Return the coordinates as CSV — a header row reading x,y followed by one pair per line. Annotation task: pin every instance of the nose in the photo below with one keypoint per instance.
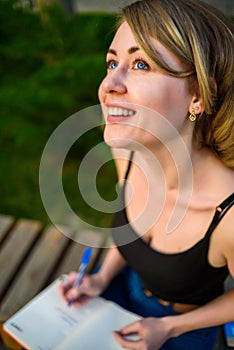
x,y
114,82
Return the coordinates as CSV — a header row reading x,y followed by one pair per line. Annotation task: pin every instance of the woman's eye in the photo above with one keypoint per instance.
x,y
139,64
112,64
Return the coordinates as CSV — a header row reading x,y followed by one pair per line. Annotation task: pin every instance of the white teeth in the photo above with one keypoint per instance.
x,y
120,112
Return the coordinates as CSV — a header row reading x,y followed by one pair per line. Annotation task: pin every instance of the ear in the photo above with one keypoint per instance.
x,y
196,105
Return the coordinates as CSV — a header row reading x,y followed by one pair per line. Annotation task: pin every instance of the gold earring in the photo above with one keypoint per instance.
x,y
192,116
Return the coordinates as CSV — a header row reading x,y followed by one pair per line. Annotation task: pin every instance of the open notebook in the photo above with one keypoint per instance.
x,y
47,323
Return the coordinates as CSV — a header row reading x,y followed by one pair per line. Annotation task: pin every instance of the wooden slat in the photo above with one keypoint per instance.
x,y
74,253
15,248
108,243
34,274
5,223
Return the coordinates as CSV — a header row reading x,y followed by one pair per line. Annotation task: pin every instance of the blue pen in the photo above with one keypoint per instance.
x,y
82,268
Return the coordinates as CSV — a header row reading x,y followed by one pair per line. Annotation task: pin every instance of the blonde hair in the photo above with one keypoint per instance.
x,y
202,38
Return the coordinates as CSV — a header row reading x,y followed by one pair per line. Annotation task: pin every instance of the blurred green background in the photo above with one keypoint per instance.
x,y
51,64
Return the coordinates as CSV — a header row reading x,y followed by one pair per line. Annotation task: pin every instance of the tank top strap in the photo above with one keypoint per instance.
x,y
221,210
129,165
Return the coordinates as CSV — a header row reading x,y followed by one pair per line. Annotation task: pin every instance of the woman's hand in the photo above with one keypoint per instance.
x,y
91,285
152,332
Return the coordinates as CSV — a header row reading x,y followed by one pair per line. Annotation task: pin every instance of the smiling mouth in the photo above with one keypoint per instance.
x,y
120,112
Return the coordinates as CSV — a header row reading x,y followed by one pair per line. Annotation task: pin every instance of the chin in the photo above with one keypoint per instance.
x,y
116,139
119,143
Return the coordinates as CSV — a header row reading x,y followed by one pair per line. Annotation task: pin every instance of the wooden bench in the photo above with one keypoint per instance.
x,y
32,256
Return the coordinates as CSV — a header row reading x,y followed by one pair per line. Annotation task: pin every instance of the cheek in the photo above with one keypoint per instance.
x,y
169,98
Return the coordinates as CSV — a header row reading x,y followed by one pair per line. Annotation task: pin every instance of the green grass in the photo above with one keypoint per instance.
x,y
51,66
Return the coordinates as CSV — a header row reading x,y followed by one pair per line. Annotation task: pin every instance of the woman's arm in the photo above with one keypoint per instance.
x,y
154,332
114,262
95,284
216,312
112,265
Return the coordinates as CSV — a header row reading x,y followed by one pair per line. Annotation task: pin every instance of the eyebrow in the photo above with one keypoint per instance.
x,y
131,50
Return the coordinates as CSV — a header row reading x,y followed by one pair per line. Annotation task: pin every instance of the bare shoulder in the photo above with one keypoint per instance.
x,y
220,178
225,238
222,240
121,158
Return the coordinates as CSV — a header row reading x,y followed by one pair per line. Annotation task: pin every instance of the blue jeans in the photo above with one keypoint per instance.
x,y
127,290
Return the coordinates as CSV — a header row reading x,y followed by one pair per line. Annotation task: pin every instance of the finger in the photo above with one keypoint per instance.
x,y
70,278
82,300
134,327
68,281
66,284
125,343
74,293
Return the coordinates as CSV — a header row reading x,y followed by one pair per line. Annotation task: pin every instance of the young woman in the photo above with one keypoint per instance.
x,y
168,105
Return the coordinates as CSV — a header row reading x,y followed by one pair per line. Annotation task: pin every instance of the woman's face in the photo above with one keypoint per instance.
x,y
136,97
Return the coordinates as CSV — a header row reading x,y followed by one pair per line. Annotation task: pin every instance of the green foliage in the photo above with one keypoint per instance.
x,y
51,66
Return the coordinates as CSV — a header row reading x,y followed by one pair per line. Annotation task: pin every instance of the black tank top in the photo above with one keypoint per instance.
x,y
185,277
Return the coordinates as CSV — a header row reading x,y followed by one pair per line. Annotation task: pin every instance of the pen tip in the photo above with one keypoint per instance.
x,y
69,303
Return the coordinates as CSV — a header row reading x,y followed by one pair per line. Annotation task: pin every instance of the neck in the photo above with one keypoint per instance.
x,y
173,162
169,174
